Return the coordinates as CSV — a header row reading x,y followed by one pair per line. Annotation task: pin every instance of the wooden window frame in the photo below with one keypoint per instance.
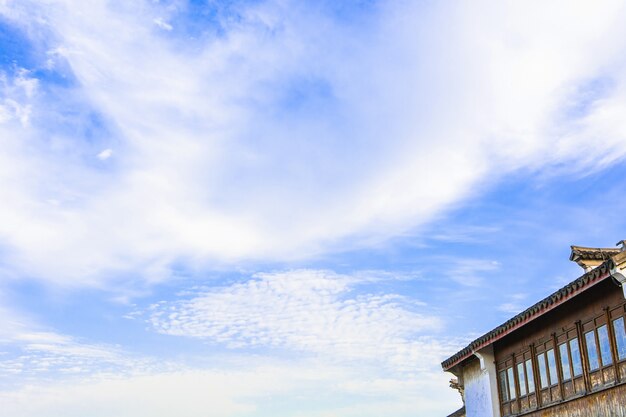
x,y
581,384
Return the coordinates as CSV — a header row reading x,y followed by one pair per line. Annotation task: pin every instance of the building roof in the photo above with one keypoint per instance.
x,y
547,304
598,254
589,258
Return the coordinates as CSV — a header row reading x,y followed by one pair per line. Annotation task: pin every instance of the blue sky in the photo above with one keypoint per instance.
x,y
282,208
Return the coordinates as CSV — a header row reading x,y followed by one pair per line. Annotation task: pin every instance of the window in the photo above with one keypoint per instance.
x,y
521,379
577,367
620,338
543,371
511,381
561,360
565,370
605,346
503,388
552,367
592,350
529,376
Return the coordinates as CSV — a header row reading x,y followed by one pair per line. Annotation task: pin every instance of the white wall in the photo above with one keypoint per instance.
x,y
479,380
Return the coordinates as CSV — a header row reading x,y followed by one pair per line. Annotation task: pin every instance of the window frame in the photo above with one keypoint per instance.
x,y
623,338
527,374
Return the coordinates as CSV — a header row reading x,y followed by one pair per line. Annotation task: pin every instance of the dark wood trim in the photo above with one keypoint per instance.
x,y
523,363
536,376
518,400
611,333
601,363
499,383
582,345
571,361
559,369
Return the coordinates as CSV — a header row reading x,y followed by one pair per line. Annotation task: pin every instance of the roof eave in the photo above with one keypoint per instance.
x,y
549,303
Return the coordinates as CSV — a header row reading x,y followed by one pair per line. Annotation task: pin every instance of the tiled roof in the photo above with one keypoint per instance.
x,y
557,298
599,254
458,413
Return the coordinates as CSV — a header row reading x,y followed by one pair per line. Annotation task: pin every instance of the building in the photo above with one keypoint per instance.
x,y
563,356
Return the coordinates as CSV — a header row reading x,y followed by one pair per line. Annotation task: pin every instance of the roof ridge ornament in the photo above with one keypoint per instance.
x,y
618,269
589,258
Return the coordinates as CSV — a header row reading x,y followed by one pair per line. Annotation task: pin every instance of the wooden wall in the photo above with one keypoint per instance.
x,y
598,393
608,403
581,307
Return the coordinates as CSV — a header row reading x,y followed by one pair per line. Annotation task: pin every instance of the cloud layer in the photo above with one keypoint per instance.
x,y
148,140
32,354
302,389
310,311
277,130
343,351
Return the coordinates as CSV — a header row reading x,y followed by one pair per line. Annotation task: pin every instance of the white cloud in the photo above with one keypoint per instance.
x,y
312,312
470,272
32,353
45,372
42,355
280,389
516,303
183,394
163,24
278,140
105,154
463,234
14,96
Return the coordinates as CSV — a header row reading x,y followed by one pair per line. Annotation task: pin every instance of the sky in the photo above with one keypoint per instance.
x,y
278,208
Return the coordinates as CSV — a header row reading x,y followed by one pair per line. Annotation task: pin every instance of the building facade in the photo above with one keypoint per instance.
x,y
563,356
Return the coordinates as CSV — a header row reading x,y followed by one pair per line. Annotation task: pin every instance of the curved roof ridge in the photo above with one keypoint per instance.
x,y
583,252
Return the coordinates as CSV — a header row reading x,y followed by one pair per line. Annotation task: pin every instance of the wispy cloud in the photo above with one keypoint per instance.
x,y
32,353
37,357
105,154
309,311
277,389
268,138
162,24
470,272
363,354
463,234
141,139
515,304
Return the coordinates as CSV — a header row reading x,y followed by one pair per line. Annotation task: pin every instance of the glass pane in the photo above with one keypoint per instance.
x,y
605,345
552,367
511,378
503,389
529,375
543,371
620,337
521,379
564,362
592,350
577,366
